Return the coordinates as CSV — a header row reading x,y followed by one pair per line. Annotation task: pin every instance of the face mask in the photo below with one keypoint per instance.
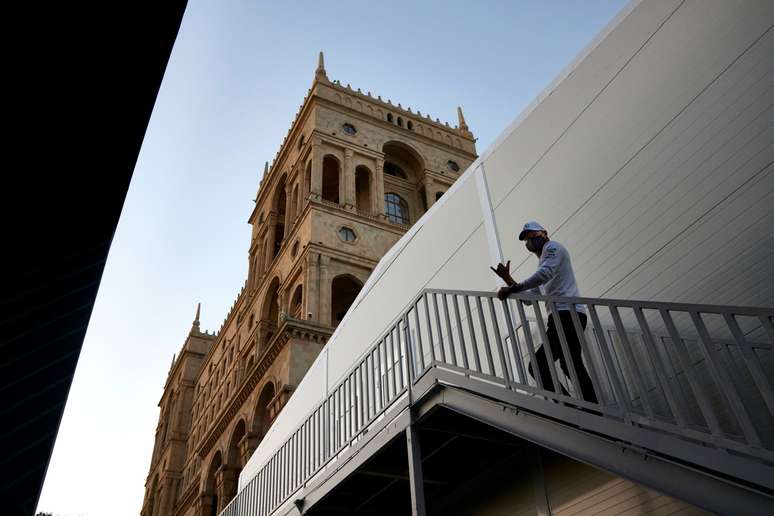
x,y
535,244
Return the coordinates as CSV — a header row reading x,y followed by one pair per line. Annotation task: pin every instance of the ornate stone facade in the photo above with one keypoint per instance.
x,y
353,173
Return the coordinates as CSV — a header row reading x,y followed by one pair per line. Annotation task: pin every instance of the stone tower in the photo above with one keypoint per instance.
x,y
352,175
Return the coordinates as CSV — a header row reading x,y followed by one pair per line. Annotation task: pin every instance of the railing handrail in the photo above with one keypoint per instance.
x,y
625,303
395,360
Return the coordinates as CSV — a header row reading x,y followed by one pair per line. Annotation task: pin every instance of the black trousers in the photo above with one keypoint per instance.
x,y
586,386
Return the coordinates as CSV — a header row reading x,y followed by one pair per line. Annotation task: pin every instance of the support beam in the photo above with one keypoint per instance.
x,y
542,502
395,476
416,478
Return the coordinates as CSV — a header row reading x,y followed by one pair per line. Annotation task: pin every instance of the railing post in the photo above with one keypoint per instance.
x,y
429,327
530,345
452,353
460,332
619,391
485,335
408,351
629,357
442,352
514,343
471,330
547,349
500,345
565,349
580,332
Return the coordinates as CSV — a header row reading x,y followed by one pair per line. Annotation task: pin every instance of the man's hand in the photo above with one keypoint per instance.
x,y
504,272
504,292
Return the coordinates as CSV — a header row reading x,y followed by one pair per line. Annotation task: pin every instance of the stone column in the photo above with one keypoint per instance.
x,y
325,291
156,505
429,196
247,445
347,189
288,203
317,165
203,505
301,194
271,234
378,189
166,502
283,311
304,191
260,257
224,485
311,288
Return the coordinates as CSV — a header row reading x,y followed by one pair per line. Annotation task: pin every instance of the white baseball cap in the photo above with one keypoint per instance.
x,y
530,226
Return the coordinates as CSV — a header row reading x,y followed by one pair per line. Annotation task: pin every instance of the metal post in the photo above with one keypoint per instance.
x,y
416,479
542,502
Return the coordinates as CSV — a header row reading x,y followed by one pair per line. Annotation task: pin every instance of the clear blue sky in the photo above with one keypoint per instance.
x,y
237,75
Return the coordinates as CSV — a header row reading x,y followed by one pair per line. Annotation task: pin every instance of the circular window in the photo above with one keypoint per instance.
x,y
349,129
452,165
347,234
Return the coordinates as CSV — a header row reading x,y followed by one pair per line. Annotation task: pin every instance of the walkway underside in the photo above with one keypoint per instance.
x,y
474,435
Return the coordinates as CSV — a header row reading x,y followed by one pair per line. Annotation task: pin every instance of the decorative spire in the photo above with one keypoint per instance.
x,y
198,311
320,74
260,181
461,118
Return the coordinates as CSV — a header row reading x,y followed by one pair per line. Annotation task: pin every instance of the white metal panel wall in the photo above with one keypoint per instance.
x,y
661,187
651,160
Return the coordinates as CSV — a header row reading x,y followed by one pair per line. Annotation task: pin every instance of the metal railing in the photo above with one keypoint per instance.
x,y
696,372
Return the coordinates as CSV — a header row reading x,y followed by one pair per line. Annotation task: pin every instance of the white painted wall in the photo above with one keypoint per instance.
x,y
650,158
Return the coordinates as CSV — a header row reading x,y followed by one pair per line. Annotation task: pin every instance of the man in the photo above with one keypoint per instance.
x,y
554,277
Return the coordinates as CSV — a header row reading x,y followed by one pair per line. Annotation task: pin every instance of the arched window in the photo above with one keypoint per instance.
x,y
234,461
363,189
344,290
410,125
389,117
330,179
400,160
210,486
400,122
280,204
301,141
392,169
397,208
262,419
296,302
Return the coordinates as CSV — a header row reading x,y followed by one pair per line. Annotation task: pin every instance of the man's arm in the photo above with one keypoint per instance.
x,y
547,269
